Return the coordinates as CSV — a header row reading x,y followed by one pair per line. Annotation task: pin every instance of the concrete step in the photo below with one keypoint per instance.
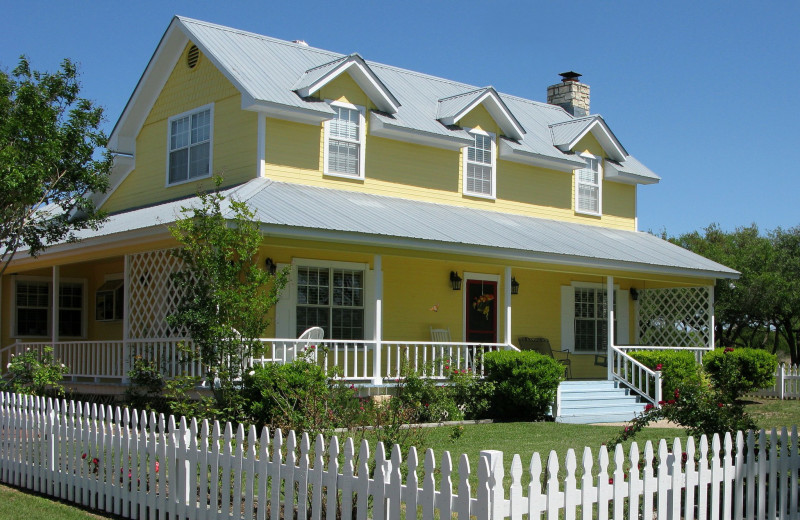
x,y
586,402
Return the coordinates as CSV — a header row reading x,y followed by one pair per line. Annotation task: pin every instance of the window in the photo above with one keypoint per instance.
x,y
479,166
33,310
331,298
189,146
588,187
591,320
344,141
109,301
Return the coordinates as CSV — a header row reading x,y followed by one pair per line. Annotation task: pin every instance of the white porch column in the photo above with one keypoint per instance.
x,y
711,324
54,319
126,310
261,145
507,298
376,356
610,307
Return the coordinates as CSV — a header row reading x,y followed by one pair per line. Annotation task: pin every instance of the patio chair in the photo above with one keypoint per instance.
x,y
307,339
542,346
440,334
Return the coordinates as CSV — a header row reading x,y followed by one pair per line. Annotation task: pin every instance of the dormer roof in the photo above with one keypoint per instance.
x,y
317,77
566,135
451,109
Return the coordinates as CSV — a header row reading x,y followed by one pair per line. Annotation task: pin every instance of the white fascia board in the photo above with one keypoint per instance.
x,y
341,237
289,113
380,128
365,79
604,136
612,174
507,153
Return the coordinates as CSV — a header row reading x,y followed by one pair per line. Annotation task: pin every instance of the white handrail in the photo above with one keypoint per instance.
x,y
635,375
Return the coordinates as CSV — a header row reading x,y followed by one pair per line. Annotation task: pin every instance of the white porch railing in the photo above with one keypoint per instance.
x,y
352,360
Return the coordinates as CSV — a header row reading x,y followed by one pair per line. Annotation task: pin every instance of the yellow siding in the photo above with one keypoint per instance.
x,y
234,137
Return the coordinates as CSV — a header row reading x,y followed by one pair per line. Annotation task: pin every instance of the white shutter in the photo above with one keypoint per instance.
x,y
285,314
567,318
623,311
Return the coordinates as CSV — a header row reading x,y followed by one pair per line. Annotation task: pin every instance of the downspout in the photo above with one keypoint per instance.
x,y
55,305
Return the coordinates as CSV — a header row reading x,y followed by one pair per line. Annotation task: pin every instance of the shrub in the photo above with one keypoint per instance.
x,y
34,373
738,371
146,386
525,383
472,395
678,367
430,400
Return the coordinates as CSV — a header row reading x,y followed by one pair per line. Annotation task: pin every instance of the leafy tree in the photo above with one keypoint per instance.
x,y
786,279
225,295
50,159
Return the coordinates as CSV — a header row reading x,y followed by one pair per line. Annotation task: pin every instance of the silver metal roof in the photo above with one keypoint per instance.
x,y
295,210
269,70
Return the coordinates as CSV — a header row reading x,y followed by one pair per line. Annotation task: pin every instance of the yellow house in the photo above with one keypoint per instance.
x,y
410,208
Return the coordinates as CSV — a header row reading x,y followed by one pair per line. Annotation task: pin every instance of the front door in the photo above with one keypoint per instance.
x,y
481,311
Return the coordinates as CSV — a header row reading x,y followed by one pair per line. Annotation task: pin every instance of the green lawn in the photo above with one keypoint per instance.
x,y
16,504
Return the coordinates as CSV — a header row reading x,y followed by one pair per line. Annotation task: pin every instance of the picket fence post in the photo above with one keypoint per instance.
x,y
781,381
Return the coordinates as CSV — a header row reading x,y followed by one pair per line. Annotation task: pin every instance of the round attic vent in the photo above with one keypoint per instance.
x,y
192,57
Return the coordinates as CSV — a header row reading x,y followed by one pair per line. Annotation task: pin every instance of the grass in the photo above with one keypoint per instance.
x,y
16,504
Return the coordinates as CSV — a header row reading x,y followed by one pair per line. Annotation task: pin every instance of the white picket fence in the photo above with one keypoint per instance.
x,y
787,383
151,467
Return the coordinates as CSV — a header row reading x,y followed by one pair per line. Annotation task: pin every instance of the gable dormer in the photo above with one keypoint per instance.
x,y
567,135
316,78
451,110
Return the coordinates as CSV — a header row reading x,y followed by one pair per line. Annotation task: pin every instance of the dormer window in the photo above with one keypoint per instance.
x,y
588,186
344,141
480,165
190,146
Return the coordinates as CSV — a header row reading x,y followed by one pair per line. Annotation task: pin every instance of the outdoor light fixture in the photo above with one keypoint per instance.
x,y
455,281
634,294
271,267
514,286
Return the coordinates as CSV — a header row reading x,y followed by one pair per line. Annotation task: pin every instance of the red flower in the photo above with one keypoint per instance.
x,y
447,367
95,461
684,457
662,403
648,407
157,466
720,405
658,367
676,394
671,401
83,456
611,481
728,349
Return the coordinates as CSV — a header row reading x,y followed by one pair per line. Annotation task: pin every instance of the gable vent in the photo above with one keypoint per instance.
x,y
192,57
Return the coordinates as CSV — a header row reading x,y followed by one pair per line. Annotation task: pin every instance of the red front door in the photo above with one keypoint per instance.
x,y
481,311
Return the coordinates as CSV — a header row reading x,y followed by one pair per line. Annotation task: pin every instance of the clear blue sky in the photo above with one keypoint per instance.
x,y
705,93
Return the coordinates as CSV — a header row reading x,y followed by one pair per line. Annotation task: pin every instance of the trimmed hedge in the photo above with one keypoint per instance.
x,y
738,371
525,383
678,367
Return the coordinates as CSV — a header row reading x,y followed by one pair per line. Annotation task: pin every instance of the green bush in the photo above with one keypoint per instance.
x,y
525,383
472,394
735,372
678,367
35,373
432,401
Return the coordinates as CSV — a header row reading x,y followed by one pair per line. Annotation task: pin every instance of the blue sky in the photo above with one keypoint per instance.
x,y
707,94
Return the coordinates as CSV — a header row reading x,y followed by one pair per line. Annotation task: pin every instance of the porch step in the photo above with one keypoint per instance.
x,y
587,402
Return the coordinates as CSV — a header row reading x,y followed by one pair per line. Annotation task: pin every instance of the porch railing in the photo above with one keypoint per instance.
x,y
639,378
349,360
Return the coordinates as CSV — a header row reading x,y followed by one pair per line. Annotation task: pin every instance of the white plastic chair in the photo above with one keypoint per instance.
x,y
309,338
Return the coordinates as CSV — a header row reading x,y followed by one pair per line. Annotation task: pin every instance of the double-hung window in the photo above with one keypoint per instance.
x,y
190,146
588,184
331,298
591,319
480,166
33,308
344,141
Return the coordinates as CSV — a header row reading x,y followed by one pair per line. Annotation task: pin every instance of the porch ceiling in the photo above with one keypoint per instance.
x,y
294,210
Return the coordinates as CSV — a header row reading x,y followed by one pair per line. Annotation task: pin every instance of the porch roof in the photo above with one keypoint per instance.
x,y
300,211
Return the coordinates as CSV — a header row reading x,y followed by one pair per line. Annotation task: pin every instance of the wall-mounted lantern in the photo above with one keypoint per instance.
x,y
271,266
514,286
455,281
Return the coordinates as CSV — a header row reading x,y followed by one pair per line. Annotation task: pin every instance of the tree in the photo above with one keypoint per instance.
x,y
225,296
51,159
786,268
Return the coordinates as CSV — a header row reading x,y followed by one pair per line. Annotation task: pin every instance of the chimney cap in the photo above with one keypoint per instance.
x,y
570,76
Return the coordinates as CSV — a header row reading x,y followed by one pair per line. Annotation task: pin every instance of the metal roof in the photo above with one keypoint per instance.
x,y
269,70
295,210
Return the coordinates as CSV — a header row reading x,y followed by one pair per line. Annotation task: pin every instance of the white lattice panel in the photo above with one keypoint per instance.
x,y
152,295
675,317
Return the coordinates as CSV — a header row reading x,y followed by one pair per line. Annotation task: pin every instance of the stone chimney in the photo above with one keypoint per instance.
x,y
570,94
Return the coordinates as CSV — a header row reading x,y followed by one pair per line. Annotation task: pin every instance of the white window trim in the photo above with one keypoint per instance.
x,y
465,162
362,133
27,278
286,308
599,211
210,108
111,278
568,315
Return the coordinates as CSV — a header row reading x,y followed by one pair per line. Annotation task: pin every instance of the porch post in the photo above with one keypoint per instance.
x,y
54,317
376,355
610,328
126,311
507,298
261,145
711,324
